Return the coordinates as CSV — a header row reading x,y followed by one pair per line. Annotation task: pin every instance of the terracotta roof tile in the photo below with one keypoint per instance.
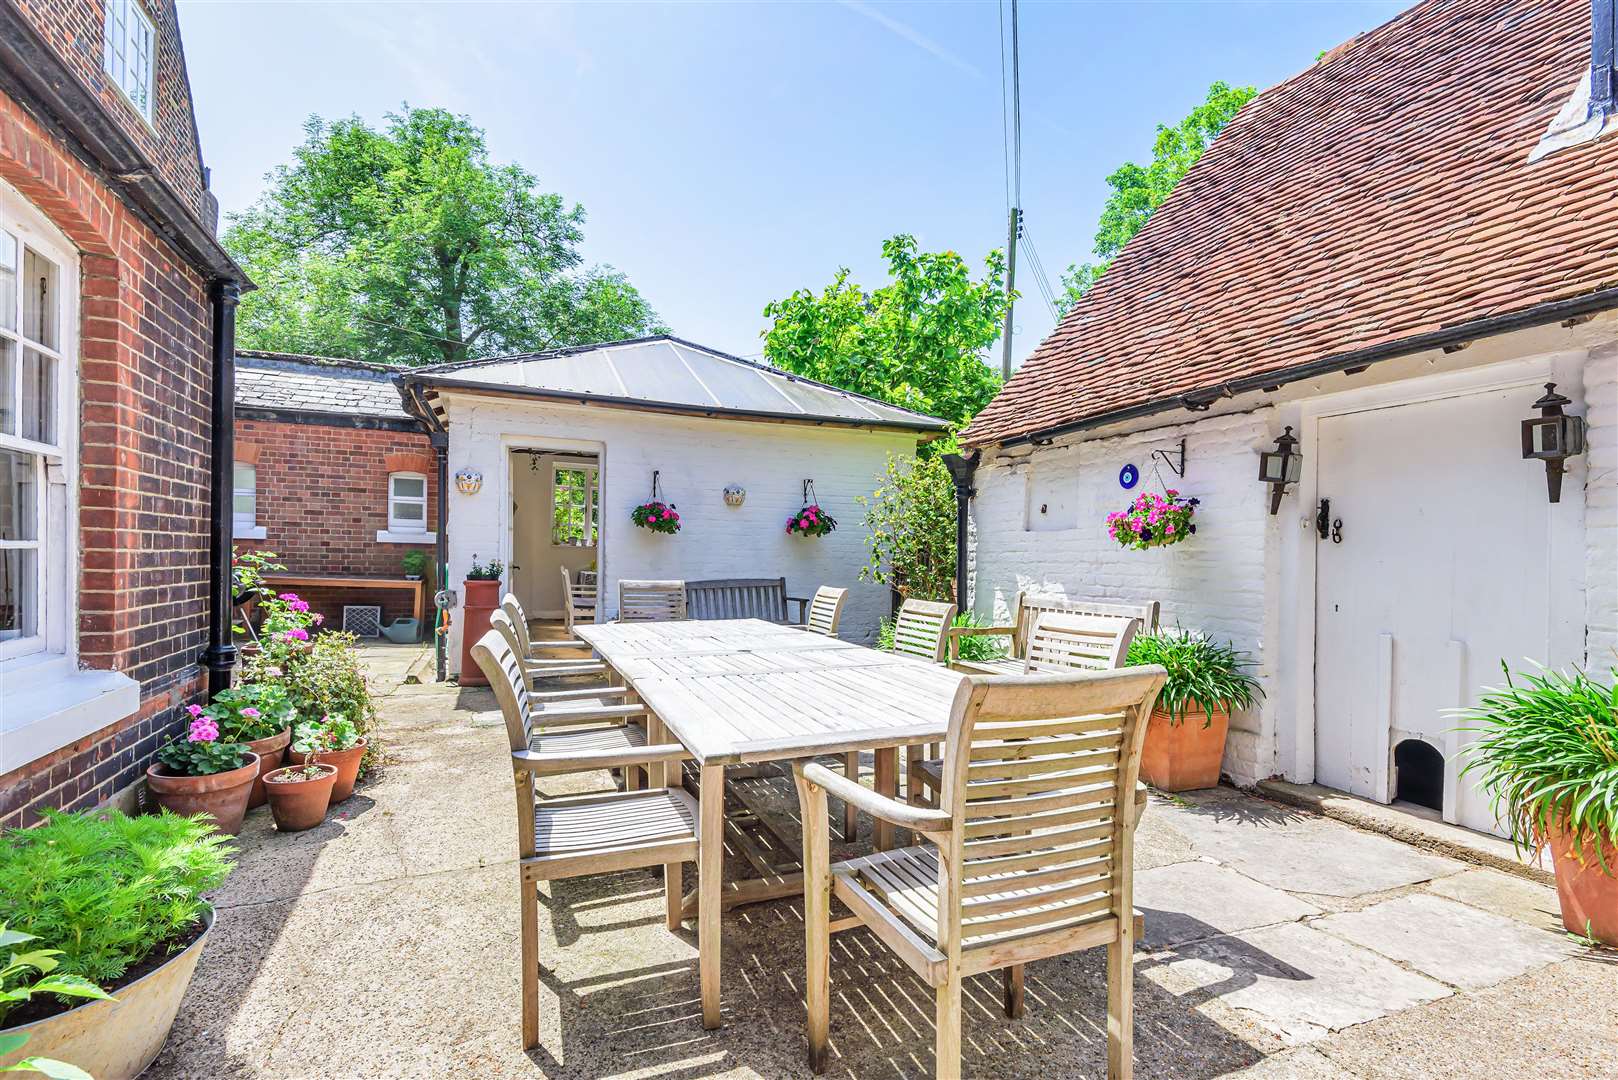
x,y
1382,194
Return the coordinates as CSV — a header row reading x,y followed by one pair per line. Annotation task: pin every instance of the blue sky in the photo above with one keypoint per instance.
x,y
727,154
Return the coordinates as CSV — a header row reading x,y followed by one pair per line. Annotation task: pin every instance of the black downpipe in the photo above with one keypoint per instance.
x,y
220,656
961,467
440,444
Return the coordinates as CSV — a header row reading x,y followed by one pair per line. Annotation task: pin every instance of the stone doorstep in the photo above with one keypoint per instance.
x,y
1439,837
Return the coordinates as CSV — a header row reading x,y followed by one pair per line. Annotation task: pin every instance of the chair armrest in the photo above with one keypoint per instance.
x,y
542,764
919,819
803,607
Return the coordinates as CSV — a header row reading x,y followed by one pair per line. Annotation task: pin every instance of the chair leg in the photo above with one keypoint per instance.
x,y
947,1039
634,778
530,962
673,893
710,863
851,769
1121,1008
1013,990
817,934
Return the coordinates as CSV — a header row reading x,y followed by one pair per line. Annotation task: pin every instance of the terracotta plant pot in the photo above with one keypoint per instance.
x,y
1184,756
116,1038
222,796
482,597
299,804
270,751
347,763
1589,894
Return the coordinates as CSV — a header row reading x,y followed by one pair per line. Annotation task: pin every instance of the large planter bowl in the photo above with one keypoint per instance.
x,y
222,796
116,1040
299,804
1589,894
1184,756
270,751
347,763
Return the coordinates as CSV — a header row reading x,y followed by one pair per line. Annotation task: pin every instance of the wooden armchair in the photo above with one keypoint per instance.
x,y
825,611
1029,855
651,601
583,834
537,666
532,669
578,600
1025,613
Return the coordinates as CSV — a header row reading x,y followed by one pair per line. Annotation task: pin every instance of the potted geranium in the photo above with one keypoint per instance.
x,y
259,714
200,773
1154,521
1547,754
335,741
657,516
109,902
1185,735
811,521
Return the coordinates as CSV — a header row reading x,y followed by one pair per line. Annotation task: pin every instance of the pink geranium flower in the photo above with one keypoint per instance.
x,y
251,713
204,730
194,709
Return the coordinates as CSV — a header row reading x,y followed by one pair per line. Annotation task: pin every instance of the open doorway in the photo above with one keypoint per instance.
x,y
556,523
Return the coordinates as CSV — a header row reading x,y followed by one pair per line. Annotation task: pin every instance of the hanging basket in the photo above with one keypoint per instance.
x,y
1154,521
655,514
811,520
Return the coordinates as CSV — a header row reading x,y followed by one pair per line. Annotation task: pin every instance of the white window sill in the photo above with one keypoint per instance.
x,y
384,536
247,532
48,705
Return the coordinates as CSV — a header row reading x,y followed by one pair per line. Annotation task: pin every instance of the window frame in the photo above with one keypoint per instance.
x,y
397,525
55,464
244,527
129,46
589,518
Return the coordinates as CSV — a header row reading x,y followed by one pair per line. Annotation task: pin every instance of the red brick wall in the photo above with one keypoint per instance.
x,y
323,497
145,394
76,30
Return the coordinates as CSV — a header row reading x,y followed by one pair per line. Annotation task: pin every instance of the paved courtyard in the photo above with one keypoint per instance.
x,y
1278,944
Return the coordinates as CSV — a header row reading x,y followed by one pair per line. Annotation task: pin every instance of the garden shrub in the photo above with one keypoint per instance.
x,y
325,680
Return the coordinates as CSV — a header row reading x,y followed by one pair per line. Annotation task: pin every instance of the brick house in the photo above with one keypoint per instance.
x,y
332,475
116,325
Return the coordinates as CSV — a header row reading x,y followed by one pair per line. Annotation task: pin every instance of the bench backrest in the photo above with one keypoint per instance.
x,y
1064,642
919,629
826,610
1031,605
651,601
738,598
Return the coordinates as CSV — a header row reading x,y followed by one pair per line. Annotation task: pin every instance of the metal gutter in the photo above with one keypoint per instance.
x,y
1200,399
319,418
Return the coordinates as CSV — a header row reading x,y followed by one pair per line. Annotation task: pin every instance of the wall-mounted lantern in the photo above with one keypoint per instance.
x,y
1552,437
1280,467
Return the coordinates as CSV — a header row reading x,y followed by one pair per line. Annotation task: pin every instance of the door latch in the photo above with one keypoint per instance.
x,y
1326,526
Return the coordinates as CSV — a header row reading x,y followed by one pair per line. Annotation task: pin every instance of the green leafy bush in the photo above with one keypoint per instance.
x,y
1548,752
1202,672
251,711
105,890
325,735
910,522
326,680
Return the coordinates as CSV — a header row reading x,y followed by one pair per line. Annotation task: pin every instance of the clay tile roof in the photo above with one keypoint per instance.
x,y
1383,194
316,384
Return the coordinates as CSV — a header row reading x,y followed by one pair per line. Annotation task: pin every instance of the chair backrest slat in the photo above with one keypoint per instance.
x,y
919,628
826,610
513,609
1040,770
651,601
1030,606
496,653
1062,641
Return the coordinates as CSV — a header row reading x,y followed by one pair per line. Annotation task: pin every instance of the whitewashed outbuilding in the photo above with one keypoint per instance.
x,y
549,453
1396,286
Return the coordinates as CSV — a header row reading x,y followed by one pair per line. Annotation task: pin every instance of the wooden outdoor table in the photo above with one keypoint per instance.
x,y
746,690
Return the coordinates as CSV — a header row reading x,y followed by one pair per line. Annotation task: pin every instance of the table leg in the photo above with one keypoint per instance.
x,y
710,860
886,783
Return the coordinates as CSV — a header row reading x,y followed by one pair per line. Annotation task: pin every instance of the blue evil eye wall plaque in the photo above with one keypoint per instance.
x,y
1128,477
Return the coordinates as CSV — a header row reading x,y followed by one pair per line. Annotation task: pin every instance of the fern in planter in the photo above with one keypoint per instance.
x,y
1202,673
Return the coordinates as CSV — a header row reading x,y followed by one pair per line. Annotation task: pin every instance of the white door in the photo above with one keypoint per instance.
x,y
1441,571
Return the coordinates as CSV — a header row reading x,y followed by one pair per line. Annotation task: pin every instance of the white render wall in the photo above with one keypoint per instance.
x,y
1601,509
698,457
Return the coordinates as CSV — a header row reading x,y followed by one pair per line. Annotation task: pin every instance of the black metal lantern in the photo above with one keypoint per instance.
x,y
1552,437
1280,467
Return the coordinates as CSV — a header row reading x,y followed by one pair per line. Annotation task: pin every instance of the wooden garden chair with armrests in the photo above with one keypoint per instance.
x,y
577,835
578,601
1027,857
1025,613
538,666
1059,642
651,601
825,611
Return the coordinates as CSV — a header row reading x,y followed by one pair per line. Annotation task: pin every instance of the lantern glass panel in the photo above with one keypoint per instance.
x,y
1294,468
1271,468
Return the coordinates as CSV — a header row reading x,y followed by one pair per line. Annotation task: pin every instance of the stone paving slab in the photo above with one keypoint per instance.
x,y
1290,982
1452,942
1188,901
1504,894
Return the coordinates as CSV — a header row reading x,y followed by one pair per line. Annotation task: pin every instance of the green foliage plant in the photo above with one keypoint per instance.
x,y
251,711
1546,751
1202,673
199,750
493,570
325,680
50,1068
910,522
414,563
329,733
25,974
105,890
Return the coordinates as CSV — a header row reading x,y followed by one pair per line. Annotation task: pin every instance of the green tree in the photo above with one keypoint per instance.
x,y
918,341
910,519
1137,191
408,245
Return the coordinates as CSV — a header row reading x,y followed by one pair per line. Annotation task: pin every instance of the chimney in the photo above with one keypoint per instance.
x,y
1603,58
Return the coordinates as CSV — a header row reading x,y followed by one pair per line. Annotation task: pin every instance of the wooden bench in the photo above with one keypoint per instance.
x,y
742,598
417,588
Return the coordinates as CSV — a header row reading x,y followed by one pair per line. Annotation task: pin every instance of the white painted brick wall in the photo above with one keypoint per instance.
x,y
1601,509
698,457
1215,582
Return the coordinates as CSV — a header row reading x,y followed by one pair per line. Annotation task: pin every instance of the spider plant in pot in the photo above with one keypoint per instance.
x,y
1185,736
1547,753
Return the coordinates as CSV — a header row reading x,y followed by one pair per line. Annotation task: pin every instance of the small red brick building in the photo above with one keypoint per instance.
x,y
117,314
334,477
